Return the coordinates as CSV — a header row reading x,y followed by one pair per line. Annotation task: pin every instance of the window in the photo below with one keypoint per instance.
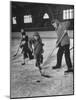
x,y
46,16
27,19
65,14
68,14
14,20
71,13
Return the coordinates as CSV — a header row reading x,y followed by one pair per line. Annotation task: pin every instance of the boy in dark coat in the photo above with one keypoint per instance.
x,y
38,49
61,28
24,45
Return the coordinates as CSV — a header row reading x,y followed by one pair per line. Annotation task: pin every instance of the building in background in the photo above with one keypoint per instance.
x,y
37,16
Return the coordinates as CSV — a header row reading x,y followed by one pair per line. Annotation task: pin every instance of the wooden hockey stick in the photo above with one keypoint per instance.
x,y
17,50
45,63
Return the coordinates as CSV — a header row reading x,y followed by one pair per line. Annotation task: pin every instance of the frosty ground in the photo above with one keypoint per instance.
x,y
24,78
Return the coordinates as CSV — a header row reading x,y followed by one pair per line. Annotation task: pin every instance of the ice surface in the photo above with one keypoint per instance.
x,y
23,78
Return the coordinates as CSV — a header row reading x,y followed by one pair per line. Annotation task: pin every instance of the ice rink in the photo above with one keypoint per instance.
x,y
24,78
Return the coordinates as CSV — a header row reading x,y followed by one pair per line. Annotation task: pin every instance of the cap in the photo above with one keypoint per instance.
x,y
55,21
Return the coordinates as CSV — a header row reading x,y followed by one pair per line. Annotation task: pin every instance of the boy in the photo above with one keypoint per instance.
x,y
24,45
38,49
26,51
61,28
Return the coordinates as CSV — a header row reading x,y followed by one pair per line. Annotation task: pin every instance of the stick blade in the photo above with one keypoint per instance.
x,y
14,55
47,76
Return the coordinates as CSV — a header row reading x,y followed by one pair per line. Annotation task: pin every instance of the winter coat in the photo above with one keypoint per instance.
x,y
60,31
24,44
38,48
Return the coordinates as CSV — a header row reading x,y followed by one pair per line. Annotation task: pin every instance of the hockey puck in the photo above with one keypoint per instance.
x,y
38,81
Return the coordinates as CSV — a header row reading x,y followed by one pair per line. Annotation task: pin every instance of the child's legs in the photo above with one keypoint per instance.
x,y
38,60
24,56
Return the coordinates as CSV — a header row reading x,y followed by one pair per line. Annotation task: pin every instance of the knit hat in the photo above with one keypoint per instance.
x,y
36,34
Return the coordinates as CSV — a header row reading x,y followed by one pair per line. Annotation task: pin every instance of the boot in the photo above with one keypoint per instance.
x,y
23,63
69,70
56,67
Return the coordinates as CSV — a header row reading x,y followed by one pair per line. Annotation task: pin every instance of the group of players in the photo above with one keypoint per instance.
x,y
32,48
37,51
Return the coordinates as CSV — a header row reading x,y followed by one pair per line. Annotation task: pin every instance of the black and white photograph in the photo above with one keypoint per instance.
x,y
41,49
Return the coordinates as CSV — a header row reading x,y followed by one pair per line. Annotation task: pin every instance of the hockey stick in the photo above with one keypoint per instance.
x,y
45,63
17,50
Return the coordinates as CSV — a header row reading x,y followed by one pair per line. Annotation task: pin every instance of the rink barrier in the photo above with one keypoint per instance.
x,y
43,34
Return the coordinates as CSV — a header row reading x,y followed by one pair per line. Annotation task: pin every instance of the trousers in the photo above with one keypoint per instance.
x,y
64,50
